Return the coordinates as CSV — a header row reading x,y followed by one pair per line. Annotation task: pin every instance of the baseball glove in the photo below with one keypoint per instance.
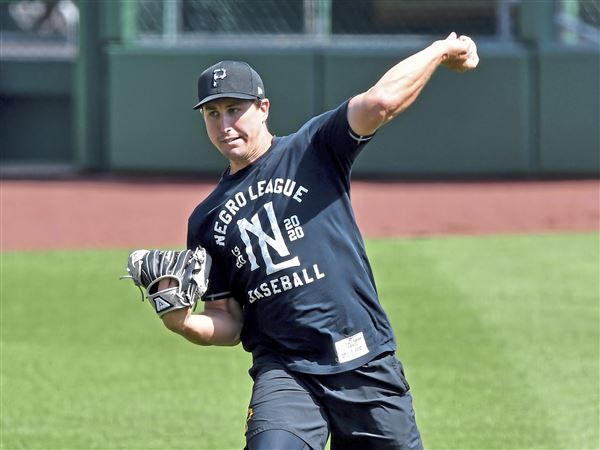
x,y
188,268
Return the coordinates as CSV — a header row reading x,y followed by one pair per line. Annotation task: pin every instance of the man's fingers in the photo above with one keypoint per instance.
x,y
166,284
473,56
472,59
461,53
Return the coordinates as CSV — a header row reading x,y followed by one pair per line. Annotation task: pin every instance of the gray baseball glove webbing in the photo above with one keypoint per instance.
x,y
188,268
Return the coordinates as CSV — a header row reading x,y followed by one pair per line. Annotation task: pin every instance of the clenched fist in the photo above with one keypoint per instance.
x,y
459,53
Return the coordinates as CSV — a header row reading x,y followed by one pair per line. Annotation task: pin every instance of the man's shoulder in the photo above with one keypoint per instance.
x,y
314,126
332,114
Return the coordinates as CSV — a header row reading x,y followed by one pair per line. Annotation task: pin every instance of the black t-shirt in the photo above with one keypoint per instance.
x,y
285,244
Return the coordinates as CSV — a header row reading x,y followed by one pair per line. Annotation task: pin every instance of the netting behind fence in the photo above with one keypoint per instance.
x,y
48,28
185,19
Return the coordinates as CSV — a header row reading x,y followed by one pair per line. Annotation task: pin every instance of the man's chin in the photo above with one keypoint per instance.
x,y
234,153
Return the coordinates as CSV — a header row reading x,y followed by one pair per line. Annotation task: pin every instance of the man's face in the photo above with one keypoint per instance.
x,y
237,128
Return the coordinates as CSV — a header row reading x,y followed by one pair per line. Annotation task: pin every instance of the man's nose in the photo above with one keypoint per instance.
x,y
226,122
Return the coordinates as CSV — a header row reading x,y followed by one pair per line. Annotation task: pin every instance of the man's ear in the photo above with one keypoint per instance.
x,y
264,106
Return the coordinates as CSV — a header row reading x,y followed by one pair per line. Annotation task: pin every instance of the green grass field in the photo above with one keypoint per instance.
x,y
499,337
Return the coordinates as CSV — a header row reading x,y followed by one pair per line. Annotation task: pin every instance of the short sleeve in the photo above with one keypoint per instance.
x,y
339,139
218,283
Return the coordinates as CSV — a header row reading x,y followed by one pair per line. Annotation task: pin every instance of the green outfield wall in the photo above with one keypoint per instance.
x,y
531,109
151,123
569,109
36,112
475,123
463,124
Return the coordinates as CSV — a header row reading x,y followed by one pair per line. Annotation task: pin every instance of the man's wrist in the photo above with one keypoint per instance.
x,y
176,320
439,49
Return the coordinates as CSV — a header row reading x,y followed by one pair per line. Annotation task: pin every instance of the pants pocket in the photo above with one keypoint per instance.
x,y
399,371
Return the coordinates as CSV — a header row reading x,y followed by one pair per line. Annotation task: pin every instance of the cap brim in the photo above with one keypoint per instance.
x,y
225,95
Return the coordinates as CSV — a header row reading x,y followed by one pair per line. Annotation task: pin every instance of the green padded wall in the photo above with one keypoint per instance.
x,y
469,124
570,110
151,94
36,112
475,123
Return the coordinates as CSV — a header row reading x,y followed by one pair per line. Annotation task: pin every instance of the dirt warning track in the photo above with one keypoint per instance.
x,y
131,213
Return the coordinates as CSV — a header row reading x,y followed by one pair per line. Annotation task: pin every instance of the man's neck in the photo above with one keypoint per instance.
x,y
263,147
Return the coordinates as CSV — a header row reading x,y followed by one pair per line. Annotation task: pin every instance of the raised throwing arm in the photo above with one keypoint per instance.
x,y
398,88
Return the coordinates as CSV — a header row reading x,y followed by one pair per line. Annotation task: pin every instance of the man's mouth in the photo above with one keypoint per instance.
x,y
229,140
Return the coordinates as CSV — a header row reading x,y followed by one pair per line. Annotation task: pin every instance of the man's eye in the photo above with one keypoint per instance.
x,y
213,114
234,110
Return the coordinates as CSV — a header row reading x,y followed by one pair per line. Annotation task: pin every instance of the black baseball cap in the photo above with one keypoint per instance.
x,y
235,79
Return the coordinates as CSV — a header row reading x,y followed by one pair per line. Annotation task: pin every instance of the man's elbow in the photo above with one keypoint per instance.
x,y
375,108
230,337
378,104
389,102
232,343
367,112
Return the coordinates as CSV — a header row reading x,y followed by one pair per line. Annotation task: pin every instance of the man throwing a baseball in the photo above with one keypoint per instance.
x,y
290,277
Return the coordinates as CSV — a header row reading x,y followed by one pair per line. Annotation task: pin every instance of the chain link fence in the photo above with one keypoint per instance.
x,y
47,29
180,21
